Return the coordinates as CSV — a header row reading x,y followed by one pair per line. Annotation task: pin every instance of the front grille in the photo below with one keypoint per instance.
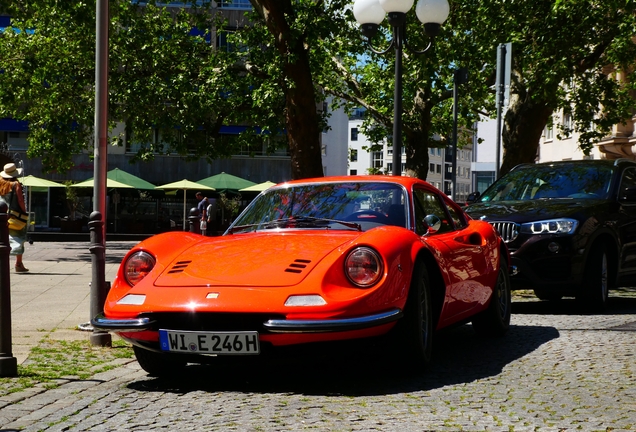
x,y
211,321
507,230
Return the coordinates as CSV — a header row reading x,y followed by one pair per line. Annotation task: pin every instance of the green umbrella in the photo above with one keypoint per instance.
x,y
226,182
38,183
258,187
32,181
117,178
110,184
185,184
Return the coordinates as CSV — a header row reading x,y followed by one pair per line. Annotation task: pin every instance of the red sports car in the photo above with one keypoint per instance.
x,y
314,260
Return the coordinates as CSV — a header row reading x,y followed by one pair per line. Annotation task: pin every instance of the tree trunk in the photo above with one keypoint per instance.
x,y
523,125
301,116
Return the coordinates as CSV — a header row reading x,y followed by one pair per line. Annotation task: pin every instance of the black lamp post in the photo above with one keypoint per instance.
x,y
369,14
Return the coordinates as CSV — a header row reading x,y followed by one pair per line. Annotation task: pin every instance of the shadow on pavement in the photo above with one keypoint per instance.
x,y
358,369
620,302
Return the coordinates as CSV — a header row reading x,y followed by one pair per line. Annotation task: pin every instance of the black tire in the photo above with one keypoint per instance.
x,y
415,330
158,364
596,282
495,320
547,296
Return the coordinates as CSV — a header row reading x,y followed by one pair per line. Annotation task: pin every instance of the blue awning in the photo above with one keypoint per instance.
x,y
11,125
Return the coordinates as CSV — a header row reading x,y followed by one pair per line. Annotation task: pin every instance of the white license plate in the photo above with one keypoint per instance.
x,y
220,343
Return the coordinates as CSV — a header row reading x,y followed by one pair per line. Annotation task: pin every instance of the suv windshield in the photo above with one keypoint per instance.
x,y
351,205
551,181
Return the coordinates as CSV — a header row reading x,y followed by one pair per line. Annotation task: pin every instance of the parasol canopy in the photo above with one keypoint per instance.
x,y
258,187
226,182
185,185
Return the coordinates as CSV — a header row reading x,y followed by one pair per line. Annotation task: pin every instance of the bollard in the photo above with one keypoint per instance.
x,y
99,287
8,363
195,221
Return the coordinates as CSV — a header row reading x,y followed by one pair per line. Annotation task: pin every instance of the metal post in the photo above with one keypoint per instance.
x,y
99,287
194,221
501,62
8,363
459,77
97,227
397,103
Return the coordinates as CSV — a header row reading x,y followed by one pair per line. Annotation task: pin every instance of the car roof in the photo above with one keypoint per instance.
x,y
606,162
402,180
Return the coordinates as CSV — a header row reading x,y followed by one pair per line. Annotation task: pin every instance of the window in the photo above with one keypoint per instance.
x,y
235,4
353,172
438,168
223,44
353,155
323,150
426,204
567,121
549,133
354,134
431,167
378,160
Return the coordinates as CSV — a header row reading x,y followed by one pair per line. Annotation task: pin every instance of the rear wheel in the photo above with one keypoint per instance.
x,y
158,364
415,330
495,321
596,283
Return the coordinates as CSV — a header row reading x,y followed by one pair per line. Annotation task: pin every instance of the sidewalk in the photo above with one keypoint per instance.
x,y
54,296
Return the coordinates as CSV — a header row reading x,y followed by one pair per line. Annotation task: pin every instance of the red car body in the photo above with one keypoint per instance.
x,y
308,261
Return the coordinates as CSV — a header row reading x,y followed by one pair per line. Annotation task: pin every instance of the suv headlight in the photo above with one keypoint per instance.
x,y
552,226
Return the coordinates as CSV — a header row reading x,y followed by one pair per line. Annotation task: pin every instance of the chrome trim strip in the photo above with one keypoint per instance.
x,y
100,322
333,325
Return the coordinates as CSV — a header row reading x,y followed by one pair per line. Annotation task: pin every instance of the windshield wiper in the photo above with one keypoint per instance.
x,y
306,219
302,221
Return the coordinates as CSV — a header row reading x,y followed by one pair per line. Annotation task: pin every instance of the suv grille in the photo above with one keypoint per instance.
x,y
507,230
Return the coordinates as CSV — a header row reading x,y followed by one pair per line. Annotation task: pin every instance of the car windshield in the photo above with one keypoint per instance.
x,y
348,206
551,181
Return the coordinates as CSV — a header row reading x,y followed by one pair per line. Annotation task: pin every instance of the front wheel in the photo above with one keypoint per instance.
x,y
158,364
415,330
495,321
596,284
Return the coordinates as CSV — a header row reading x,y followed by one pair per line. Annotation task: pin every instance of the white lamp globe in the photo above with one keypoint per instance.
x,y
368,12
397,5
432,11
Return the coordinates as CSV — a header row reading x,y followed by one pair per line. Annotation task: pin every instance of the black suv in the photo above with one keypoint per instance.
x,y
570,226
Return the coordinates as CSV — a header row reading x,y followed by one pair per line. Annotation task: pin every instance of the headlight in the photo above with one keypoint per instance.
x,y
552,226
137,266
363,267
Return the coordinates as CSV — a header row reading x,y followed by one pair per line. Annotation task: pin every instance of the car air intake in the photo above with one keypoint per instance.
x,y
507,230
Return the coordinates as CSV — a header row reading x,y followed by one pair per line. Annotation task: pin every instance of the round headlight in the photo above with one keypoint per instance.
x,y
363,267
137,266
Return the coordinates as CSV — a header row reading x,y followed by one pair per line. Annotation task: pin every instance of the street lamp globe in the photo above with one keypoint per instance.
x,y
396,5
369,14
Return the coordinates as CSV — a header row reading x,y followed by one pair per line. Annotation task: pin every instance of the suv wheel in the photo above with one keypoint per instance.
x,y
596,284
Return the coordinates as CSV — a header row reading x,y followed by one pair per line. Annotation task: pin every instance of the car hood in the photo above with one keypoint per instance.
x,y
256,259
527,211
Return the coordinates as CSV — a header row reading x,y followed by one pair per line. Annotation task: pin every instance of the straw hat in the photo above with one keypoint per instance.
x,y
10,171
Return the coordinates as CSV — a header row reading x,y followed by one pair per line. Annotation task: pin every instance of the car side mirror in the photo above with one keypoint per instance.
x,y
473,197
432,223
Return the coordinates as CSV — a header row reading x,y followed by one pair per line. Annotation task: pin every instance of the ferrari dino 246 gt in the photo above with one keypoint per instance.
x,y
314,260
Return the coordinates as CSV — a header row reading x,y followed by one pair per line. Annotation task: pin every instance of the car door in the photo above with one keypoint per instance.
x,y
627,225
460,254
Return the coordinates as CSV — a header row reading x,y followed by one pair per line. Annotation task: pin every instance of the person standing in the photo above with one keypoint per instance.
x,y
202,207
11,188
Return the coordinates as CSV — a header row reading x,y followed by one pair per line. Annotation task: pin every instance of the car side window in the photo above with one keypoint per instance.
x,y
427,203
627,191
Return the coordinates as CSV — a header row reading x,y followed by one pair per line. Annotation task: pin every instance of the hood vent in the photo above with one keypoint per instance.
x,y
179,267
297,266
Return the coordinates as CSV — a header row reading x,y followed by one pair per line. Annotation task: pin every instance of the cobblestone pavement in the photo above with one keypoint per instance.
x,y
556,370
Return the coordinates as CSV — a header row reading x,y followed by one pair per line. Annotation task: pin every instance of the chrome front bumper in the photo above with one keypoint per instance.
x,y
100,322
